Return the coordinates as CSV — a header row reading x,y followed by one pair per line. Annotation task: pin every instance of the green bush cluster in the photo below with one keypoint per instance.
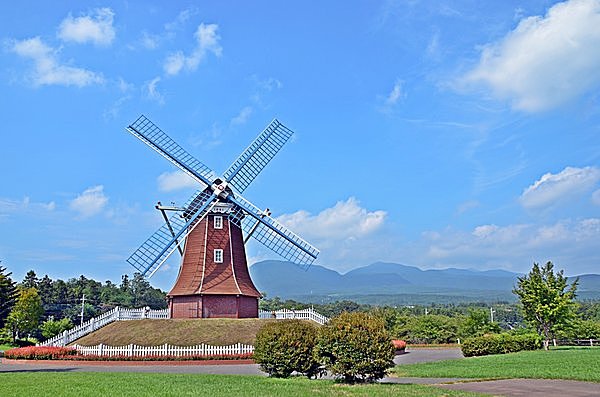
x,y
500,344
355,347
286,346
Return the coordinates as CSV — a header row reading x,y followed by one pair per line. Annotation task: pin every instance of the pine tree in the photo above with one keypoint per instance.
x,y
8,295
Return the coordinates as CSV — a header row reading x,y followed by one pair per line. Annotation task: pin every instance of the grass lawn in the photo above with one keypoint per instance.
x,y
577,363
82,384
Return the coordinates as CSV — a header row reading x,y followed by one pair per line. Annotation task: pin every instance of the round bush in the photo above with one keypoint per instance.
x,y
285,346
356,347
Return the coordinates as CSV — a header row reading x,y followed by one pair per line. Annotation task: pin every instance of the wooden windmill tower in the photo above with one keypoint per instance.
x,y
213,226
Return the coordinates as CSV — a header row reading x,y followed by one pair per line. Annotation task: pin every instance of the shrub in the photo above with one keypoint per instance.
x,y
500,344
40,352
355,347
428,329
51,328
285,346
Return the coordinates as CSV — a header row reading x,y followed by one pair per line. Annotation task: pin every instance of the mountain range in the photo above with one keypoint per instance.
x,y
394,283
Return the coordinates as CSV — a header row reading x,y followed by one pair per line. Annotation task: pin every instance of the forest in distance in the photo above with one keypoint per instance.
x,y
426,323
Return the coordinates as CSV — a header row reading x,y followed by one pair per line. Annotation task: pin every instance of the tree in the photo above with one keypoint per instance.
x,y
25,315
547,301
51,327
31,280
8,295
477,323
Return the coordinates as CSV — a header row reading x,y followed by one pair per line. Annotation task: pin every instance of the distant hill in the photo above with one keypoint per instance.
x,y
394,283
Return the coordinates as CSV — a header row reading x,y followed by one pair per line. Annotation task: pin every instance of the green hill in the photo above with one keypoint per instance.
x,y
176,332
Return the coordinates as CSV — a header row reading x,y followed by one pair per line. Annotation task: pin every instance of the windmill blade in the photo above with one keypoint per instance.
x,y
271,233
256,156
155,251
151,135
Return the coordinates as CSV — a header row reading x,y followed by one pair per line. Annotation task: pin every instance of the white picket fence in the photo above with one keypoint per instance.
x,y
163,350
124,314
304,314
116,314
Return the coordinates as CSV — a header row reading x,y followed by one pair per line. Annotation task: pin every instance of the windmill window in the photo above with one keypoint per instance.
x,y
218,256
218,222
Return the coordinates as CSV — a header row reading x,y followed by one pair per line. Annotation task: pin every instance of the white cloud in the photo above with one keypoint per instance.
x,y
554,188
467,205
347,234
569,242
150,41
395,95
243,116
90,202
545,61
176,180
47,69
346,220
596,197
207,41
11,206
96,28
150,90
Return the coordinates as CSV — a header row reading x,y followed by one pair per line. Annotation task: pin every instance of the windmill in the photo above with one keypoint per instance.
x,y
213,279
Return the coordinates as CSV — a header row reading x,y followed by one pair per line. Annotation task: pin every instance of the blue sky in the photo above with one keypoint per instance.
x,y
437,134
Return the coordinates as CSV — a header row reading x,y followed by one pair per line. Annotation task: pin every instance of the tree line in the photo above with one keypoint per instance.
x,y
43,307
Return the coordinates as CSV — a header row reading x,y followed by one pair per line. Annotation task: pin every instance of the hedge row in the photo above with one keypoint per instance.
x,y
500,344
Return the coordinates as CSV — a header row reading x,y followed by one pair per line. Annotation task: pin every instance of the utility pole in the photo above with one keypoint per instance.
x,y
82,307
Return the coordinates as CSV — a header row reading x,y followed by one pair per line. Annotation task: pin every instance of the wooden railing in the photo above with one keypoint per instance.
x,y
163,350
304,314
116,314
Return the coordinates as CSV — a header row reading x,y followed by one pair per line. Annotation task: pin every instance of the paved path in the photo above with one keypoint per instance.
x,y
413,356
530,388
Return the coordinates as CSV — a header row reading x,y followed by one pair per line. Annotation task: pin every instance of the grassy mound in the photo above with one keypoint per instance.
x,y
176,332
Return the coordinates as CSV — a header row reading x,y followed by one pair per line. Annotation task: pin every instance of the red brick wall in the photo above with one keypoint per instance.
x,y
248,307
213,306
185,306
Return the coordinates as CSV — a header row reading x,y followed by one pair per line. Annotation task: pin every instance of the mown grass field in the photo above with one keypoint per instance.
x,y
576,363
177,332
81,384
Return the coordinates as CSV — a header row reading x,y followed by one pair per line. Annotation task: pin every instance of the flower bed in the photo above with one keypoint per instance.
x,y
40,353
400,346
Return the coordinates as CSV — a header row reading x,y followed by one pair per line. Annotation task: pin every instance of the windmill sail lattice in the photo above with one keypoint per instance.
x,y
251,162
154,137
160,245
213,280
